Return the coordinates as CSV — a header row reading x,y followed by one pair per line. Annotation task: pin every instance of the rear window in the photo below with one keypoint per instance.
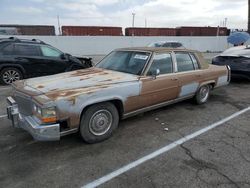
x,y
27,50
184,62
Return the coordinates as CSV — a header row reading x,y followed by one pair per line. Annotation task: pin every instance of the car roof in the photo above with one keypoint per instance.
x,y
17,40
155,49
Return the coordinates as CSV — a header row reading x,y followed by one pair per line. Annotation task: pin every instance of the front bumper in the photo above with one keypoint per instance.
x,y
39,132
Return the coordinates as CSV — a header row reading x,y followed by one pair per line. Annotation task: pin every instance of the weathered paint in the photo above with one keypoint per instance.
x,y
189,89
71,92
222,80
158,90
74,107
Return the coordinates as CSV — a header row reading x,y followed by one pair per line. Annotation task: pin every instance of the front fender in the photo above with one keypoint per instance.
x,y
72,107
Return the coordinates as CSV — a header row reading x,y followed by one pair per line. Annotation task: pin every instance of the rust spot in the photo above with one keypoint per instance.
x,y
71,94
108,80
85,72
40,86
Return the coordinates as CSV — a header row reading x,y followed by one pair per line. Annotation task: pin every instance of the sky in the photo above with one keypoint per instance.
x,y
152,13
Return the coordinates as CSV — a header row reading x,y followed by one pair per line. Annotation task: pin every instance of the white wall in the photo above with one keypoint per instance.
x,y
100,45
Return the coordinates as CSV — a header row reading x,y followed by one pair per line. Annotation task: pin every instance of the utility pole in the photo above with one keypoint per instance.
x,y
133,21
59,27
145,22
248,25
225,22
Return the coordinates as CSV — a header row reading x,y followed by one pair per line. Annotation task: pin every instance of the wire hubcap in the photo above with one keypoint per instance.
x,y
204,93
100,122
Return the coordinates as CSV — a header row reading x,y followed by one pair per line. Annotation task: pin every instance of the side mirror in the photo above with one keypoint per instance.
x,y
156,73
63,56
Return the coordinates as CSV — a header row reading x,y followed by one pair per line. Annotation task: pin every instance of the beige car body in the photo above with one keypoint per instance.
x,y
72,92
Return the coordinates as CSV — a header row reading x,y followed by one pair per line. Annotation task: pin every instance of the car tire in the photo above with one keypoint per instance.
x,y
98,122
202,94
9,75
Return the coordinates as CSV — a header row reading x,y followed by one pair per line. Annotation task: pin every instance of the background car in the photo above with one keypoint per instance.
x,y
21,58
238,58
167,44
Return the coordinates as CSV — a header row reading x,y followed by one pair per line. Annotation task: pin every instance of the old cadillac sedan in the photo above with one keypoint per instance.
x,y
126,82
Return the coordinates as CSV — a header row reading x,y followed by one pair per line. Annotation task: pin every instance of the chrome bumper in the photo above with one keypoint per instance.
x,y
39,132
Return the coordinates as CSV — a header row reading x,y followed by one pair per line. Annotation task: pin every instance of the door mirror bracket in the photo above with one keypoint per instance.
x,y
156,73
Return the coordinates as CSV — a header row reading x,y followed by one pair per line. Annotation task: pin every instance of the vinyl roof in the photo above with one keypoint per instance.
x,y
156,49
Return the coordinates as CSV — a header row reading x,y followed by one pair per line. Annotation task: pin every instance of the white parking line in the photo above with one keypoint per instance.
x,y
160,151
3,116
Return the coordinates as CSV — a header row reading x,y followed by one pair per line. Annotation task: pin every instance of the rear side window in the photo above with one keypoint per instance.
x,y
7,50
195,62
26,50
163,62
184,62
50,52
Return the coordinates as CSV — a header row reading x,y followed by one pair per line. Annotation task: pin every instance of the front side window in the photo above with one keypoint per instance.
x,y
163,62
26,50
50,52
184,62
131,62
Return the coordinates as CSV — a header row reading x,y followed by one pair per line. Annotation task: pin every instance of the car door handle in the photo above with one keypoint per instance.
x,y
21,59
198,75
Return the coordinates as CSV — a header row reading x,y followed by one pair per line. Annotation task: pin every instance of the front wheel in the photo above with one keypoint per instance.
x,y
202,94
9,75
98,122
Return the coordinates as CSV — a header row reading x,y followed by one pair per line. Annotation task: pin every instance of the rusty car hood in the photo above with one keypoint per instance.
x,y
73,83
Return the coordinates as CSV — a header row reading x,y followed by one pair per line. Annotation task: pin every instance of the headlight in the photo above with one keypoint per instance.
x,y
46,115
49,112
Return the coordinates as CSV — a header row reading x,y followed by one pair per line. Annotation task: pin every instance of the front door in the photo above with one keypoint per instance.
x,y
52,61
160,88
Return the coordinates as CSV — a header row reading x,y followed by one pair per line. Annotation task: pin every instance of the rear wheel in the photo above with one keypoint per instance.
x,y
202,94
98,122
10,75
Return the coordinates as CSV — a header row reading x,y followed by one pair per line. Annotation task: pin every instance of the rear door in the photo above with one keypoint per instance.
x,y
28,56
188,73
161,88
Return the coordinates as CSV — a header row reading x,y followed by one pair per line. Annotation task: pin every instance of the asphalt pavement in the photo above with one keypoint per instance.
x,y
219,157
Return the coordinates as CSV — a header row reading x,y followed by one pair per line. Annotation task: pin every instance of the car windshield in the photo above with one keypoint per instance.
x,y
131,62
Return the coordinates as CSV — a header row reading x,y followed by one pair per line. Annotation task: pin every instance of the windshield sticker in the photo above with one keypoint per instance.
x,y
139,56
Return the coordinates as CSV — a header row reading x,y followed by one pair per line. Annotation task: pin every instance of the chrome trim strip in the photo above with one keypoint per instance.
x,y
129,114
11,101
175,70
229,73
64,133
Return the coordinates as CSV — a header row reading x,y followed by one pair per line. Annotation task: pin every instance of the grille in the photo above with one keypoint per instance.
x,y
24,103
